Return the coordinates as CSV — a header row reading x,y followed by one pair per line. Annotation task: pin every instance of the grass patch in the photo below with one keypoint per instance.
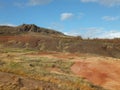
x,y
44,63
38,68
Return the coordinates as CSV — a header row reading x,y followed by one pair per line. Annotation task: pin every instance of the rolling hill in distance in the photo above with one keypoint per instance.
x,y
33,37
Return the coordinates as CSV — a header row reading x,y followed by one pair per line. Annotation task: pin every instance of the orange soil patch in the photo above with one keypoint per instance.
x,y
100,72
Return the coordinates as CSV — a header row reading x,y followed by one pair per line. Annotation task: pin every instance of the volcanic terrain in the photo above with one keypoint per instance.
x,y
36,58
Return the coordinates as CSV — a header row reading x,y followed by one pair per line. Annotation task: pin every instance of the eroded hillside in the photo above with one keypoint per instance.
x,y
33,37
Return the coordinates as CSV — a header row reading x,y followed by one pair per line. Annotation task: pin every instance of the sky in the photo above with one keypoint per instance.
x,y
87,18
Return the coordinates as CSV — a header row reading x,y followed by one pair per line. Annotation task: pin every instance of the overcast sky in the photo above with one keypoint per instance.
x,y
88,18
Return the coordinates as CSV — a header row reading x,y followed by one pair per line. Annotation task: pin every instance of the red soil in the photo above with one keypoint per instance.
x,y
103,73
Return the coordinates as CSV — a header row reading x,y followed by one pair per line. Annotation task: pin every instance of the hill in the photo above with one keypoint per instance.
x,y
34,37
35,58
25,28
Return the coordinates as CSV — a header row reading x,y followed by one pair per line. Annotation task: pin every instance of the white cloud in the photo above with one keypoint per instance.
x,y
111,34
110,18
104,2
32,3
38,2
94,32
71,33
88,1
7,24
65,16
91,32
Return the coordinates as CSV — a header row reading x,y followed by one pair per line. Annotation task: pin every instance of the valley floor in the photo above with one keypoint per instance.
x,y
22,69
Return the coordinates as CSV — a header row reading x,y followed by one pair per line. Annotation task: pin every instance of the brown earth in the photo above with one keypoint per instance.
x,y
10,81
101,71
31,70
104,72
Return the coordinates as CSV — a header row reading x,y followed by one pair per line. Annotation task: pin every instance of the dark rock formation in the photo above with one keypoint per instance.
x,y
8,30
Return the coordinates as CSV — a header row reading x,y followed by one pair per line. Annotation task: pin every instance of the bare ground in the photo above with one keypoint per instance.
x,y
9,81
104,72
100,70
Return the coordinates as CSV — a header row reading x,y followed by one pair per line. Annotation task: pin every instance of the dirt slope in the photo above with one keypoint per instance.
x,y
104,72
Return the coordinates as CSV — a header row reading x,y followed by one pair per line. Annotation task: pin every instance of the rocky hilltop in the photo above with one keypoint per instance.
x,y
25,28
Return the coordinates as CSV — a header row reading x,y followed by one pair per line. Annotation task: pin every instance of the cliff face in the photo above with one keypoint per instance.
x,y
33,37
